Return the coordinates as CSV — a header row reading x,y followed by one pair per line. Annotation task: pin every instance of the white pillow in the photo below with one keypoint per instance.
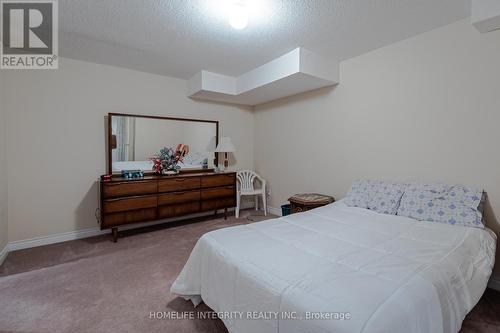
x,y
380,196
456,205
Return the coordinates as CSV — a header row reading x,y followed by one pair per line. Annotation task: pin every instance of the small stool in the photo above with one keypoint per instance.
x,y
307,201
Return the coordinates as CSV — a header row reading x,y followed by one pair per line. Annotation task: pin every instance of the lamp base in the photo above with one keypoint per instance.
x,y
226,163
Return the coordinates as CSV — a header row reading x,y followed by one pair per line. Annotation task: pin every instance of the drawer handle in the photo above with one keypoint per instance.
x,y
129,198
118,184
115,200
223,176
134,183
183,179
179,193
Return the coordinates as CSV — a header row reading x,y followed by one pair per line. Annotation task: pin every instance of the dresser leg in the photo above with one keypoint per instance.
x,y
225,213
114,231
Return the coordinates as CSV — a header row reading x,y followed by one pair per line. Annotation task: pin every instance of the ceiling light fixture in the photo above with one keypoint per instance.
x,y
238,15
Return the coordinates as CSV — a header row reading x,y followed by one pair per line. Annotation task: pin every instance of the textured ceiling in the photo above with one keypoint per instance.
x,y
181,37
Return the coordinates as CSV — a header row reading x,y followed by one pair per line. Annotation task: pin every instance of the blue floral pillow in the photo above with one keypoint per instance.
x,y
456,205
380,196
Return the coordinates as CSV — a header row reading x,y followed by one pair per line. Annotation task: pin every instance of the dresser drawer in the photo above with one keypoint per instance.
x,y
178,184
218,180
140,215
131,203
178,210
178,197
218,192
218,203
113,190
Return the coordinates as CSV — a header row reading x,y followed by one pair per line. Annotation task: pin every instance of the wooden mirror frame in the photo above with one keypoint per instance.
x,y
109,135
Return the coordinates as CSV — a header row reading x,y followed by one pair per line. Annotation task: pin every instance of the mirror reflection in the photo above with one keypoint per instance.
x,y
135,141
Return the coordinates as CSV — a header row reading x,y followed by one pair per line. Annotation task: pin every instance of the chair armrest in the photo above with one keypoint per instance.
x,y
262,180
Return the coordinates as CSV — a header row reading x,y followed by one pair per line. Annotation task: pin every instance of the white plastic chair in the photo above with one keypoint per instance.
x,y
245,186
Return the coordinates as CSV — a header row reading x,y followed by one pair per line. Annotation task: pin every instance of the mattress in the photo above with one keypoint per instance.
x,y
340,269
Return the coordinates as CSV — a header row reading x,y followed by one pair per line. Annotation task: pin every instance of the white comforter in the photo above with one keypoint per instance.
x,y
387,273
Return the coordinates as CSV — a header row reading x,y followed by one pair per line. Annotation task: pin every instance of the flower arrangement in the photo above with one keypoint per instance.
x,y
165,162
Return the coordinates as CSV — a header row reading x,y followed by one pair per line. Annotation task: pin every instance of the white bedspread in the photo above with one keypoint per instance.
x,y
389,273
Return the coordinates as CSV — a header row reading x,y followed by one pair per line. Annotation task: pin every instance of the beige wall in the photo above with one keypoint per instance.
x,y
427,109
3,174
56,131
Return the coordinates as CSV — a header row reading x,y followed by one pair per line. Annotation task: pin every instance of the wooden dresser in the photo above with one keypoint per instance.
x,y
125,201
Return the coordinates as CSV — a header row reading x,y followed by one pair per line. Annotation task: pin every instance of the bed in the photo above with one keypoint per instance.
x,y
340,269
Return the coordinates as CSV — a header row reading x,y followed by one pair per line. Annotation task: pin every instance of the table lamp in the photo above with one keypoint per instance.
x,y
225,146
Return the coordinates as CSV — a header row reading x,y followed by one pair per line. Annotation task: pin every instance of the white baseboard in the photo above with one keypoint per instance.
x,y
274,210
56,238
494,283
90,232
4,253
96,231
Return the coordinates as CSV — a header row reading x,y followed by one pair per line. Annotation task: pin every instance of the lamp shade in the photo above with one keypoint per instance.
x,y
225,145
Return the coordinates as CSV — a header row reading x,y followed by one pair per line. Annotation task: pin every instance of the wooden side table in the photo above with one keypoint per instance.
x,y
307,201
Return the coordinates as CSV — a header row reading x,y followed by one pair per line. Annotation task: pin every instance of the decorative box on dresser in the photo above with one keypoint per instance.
x,y
125,201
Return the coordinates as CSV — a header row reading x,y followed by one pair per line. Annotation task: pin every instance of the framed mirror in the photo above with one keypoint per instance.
x,y
133,140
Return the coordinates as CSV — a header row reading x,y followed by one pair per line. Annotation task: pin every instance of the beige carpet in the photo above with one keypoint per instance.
x,y
94,285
